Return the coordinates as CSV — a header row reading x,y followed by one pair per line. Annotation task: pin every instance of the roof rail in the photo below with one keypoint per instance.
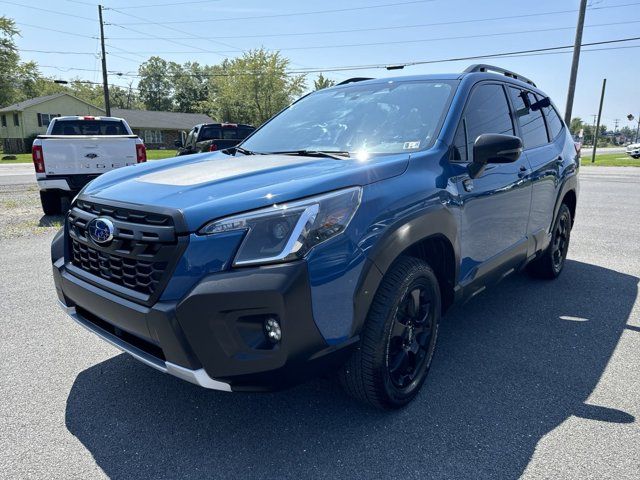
x,y
482,67
353,80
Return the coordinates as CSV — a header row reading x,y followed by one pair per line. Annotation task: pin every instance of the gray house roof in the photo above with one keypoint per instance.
x,y
160,120
20,106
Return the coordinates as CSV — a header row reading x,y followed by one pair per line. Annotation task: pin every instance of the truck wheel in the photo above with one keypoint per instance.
x,y
50,203
550,264
398,339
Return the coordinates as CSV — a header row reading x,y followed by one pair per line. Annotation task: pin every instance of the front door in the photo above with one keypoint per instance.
x,y
495,205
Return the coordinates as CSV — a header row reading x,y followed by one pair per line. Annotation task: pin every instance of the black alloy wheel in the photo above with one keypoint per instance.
x,y
392,359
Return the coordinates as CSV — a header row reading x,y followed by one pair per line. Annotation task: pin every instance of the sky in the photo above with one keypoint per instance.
x,y
335,33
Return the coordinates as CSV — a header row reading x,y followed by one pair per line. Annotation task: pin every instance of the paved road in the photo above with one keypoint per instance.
x,y
17,173
532,378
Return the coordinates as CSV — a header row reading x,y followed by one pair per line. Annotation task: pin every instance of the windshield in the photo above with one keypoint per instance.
x,y
390,117
88,127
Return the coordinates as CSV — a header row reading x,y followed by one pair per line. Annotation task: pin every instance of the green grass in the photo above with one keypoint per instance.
x,y
160,154
22,158
611,160
151,155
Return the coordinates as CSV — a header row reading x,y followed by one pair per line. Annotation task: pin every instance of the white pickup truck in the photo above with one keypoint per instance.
x,y
75,150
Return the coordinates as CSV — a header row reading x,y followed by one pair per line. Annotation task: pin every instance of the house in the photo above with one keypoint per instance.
x,y
159,130
21,122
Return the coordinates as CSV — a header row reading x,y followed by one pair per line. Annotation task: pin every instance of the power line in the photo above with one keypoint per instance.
x,y
398,27
174,29
57,52
193,36
529,52
161,4
255,73
473,57
40,27
297,14
400,42
55,12
164,39
357,30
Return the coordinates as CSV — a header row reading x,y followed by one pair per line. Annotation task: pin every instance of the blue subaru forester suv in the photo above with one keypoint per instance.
x,y
331,240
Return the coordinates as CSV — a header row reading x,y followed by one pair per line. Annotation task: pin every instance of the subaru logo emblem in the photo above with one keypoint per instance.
x,y
91,155
101,230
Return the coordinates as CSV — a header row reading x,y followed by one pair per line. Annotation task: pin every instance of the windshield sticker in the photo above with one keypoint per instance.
x,y
411,145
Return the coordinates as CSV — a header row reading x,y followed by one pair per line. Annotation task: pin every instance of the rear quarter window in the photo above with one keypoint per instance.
x,y
554,122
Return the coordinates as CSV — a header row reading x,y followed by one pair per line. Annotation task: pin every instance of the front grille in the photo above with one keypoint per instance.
x,y
141,276
140,258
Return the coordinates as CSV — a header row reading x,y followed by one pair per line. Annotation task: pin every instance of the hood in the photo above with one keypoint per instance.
x,y
214,185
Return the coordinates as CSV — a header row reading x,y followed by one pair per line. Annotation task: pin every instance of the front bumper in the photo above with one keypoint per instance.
x,y
213,336
199,376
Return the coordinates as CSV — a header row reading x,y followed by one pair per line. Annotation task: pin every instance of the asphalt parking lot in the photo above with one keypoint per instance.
x,y
532,378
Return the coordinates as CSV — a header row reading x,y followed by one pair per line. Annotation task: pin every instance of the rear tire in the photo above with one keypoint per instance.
x,y
50,202
398,339
550,264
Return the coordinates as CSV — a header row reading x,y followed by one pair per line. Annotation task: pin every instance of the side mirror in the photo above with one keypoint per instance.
x,y
494,148
178,143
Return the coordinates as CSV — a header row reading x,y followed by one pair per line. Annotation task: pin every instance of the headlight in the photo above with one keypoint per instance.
x,y
285,232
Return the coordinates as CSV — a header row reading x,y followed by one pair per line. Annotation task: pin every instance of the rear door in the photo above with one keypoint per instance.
x,y
495,205
544,157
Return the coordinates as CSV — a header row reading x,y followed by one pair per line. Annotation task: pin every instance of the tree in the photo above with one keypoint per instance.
x,y
252,88
322,82
155,86
576,125
189,86
17,79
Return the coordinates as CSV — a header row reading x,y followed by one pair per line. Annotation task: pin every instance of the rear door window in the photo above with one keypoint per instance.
x,y
88,127
532,126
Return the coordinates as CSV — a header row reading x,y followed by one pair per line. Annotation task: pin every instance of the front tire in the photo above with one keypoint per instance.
x,y
50,202
397,342
550,264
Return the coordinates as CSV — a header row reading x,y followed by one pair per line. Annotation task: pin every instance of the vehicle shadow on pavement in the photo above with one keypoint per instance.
x,y
511,365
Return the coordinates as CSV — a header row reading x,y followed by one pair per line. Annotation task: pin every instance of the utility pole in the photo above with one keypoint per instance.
x,y
593,132
574,64
595,137
105,80
615,124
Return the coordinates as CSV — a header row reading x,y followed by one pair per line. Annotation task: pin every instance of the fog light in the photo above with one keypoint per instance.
x,y
272,330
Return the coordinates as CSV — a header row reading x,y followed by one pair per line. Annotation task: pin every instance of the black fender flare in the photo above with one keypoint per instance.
x,y
570,183
434,221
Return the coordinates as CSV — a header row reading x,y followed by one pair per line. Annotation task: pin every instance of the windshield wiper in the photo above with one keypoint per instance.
x,y
338,155
239,149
